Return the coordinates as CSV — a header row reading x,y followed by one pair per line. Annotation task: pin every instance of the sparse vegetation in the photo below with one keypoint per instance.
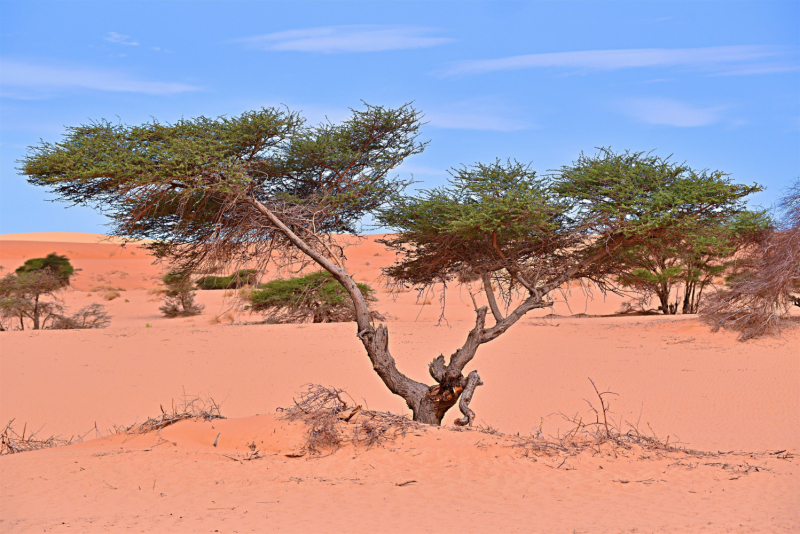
x,y
91,316
179,296
314,298
682,264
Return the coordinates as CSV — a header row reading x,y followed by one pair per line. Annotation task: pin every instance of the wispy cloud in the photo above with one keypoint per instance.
x,y
474,120
479,114
361,38
715,58
43,78
118,38
670,112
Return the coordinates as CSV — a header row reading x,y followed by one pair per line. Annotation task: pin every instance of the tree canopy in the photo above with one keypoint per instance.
x,y
205,181
530,232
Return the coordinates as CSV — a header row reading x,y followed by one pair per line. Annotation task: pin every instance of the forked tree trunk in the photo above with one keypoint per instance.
x,y
429,404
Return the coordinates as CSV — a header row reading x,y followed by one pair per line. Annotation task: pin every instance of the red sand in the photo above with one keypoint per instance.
x,y
705,389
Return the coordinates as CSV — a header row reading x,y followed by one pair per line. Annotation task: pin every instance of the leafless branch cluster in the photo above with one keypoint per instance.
x,y
188,408
766,282
332,421
12,443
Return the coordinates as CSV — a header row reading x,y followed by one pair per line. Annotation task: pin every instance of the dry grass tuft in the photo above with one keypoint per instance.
x,y
12,443
110,295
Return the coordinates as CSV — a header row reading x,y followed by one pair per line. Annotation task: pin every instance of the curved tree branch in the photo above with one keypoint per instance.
x,y
473,381
487,286
375,340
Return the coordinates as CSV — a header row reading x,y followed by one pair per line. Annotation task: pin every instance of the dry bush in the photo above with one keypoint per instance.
x,y
110,295
765,283
91,316
332,421
205,409
12,443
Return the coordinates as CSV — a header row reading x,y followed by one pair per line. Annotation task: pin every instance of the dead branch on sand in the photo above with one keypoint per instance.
x,y
189,408
330,419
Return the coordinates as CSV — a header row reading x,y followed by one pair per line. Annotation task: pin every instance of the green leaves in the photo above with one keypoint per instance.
x,y
638,193
57,266
487,216
597,219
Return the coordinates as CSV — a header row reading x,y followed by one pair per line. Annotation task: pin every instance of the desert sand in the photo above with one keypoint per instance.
x,y
702,389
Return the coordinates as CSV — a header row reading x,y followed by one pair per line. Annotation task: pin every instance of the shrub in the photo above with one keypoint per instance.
x,y
179,296
315,298
241,278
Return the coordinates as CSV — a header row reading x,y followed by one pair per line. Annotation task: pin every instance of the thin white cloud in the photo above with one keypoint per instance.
x,y
474,120
43,78
363,38
118,38
670,112
609,60
475,114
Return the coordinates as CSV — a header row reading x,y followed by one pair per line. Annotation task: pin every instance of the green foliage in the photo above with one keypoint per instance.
x,y
58,265
316,298
201,183
489,217
534,233
241,278
30,293
637,193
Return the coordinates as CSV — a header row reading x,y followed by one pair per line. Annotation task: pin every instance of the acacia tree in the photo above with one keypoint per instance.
x,y
265,186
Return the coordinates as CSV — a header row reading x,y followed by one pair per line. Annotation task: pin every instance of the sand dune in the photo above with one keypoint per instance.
x,y
706,390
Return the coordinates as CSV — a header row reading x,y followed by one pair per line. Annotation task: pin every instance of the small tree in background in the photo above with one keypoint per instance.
x,y
689,260
765,283
23,294
314,298
179,296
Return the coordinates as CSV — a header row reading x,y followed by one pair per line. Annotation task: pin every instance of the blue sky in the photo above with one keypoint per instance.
x,y
716,84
